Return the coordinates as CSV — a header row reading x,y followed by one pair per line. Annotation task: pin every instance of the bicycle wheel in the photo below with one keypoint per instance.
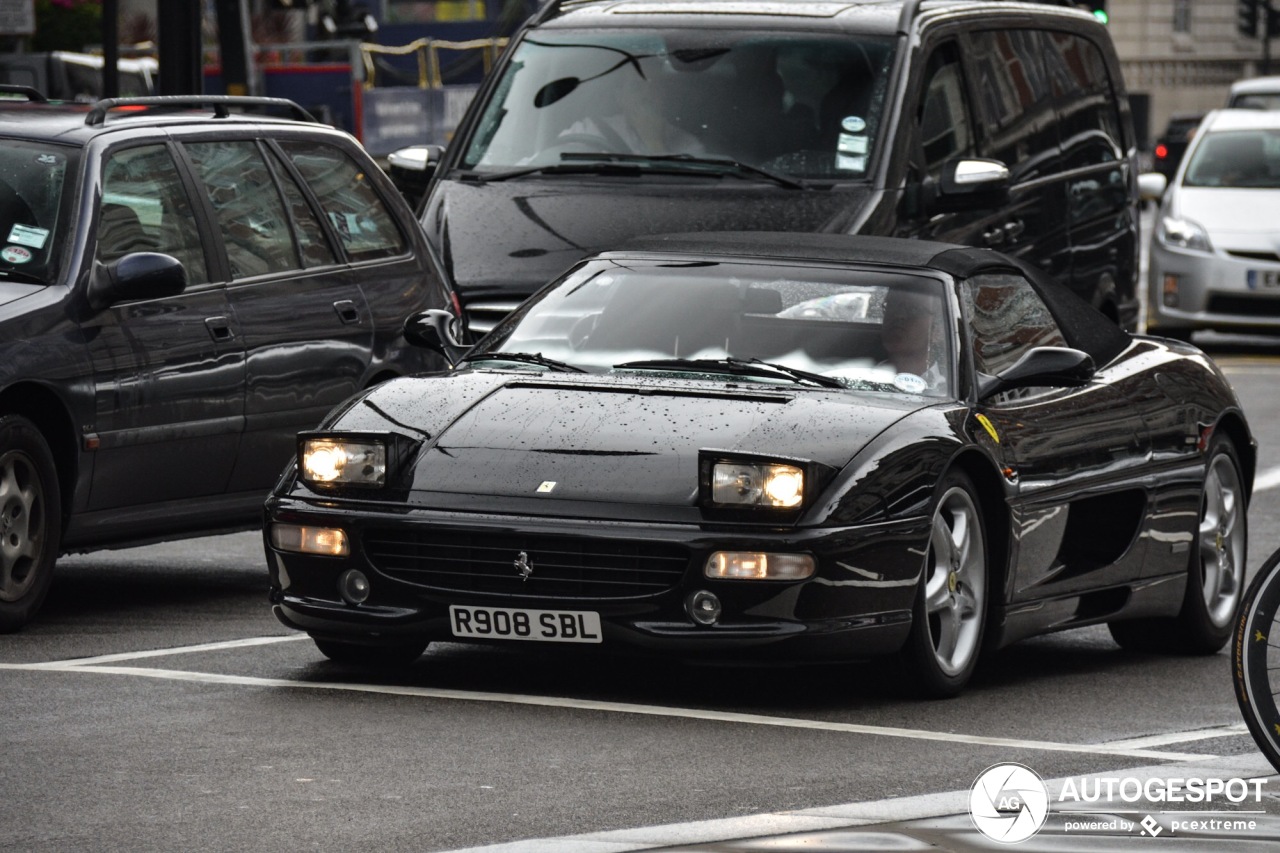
x,y
1256,659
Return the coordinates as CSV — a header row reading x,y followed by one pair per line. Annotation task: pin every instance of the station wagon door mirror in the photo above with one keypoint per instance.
x,y
970,183
1040,366
136,276
433,330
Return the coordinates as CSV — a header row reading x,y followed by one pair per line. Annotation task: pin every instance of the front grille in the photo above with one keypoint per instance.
x,y
562,567
1249,306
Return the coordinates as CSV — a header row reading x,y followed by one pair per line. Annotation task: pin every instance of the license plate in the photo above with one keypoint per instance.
x,y
1262,279
507,623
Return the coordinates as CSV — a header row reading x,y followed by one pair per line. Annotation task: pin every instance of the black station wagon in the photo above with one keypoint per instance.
x,y
183,287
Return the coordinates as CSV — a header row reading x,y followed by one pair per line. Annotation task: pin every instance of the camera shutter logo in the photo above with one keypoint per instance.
x,y
1008,803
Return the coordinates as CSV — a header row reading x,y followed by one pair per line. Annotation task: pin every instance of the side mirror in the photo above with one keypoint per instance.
x,y
139,275
433,330
969,183
412,168
1049,366
1151,186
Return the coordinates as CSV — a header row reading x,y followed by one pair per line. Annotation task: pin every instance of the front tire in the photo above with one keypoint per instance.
x,y
1215,571
950,612
30,521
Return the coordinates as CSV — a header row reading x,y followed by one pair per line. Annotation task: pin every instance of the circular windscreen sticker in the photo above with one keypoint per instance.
x,y
910,383
853,124
15,254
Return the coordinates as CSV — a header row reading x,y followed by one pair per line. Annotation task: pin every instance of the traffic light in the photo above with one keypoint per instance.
x,y
1099,9
1247,17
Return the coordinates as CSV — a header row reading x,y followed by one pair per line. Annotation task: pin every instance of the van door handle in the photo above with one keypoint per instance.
x,y
348,313
219,329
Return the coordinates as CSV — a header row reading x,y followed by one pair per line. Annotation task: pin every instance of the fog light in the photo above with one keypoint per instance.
x,y
353,586
1170,291
753,565
703,607
325,541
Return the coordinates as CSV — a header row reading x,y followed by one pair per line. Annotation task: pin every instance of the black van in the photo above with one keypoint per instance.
x,y
1000,124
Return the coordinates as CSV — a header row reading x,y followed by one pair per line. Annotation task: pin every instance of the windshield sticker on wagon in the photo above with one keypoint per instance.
x,y
15,254
28,235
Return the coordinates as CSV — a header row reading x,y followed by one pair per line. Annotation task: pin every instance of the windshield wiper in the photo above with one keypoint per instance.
x,y
735,367
22,276
718,165
598,164
526,358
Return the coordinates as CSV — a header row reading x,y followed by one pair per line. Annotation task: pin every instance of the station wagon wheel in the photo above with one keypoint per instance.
x,y
949,616
1215,571
30,520
355,654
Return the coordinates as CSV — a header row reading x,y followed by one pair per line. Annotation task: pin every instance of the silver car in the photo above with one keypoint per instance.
x,y
1215,248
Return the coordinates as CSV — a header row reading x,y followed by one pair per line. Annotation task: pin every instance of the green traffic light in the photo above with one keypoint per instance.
x,y
1102,16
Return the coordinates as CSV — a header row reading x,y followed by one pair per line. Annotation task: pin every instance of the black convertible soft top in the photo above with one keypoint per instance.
x,y
1085,327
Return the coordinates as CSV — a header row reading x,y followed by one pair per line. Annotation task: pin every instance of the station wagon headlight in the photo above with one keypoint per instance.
x,y
1183,234
342,461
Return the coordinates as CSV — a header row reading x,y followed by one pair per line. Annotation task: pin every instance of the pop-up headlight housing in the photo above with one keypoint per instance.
x,y
336,460
730,481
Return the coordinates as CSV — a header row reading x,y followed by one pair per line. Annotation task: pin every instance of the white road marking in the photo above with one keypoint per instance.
x,y
847,816
1266,480
101,665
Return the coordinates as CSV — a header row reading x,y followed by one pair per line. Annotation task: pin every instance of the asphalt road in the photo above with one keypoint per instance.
x,y
156,704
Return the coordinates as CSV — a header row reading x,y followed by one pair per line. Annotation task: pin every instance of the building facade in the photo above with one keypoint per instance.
x,y
1182,55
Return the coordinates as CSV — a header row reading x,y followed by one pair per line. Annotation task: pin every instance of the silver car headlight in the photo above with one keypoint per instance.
x,y
1183,234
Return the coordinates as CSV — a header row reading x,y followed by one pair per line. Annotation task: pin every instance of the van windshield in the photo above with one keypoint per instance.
x,y
795,104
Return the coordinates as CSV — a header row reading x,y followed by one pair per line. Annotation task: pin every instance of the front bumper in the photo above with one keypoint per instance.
x,y
857,604
1199,290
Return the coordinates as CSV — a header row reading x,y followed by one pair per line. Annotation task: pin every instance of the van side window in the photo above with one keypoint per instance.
x,y
946,129
247,205
1087,104
1015,100
145,208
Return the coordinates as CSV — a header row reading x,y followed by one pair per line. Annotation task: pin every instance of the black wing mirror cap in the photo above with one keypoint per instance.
x,y
140,275
434,330
971,182
1053,367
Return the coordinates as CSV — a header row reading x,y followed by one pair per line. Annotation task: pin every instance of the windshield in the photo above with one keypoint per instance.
x,y
1238,158
799,105
864,329
32,176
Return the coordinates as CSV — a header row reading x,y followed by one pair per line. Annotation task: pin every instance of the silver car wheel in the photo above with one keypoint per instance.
x,y
1222,540
21,523
955,588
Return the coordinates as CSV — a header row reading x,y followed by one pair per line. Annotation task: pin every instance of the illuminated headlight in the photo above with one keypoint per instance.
x,y
757,484
304,539
1183,234
751,565
342,461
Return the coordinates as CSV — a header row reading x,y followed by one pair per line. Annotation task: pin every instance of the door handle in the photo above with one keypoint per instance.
x,y
347,311
1014,228
219,329
993,237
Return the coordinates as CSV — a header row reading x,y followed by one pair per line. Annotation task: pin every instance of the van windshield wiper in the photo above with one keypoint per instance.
x,y
715,165
526,358
629,165
735,367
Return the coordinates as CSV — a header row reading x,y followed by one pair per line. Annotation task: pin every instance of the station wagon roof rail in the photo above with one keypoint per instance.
x,y
32,95
221,104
